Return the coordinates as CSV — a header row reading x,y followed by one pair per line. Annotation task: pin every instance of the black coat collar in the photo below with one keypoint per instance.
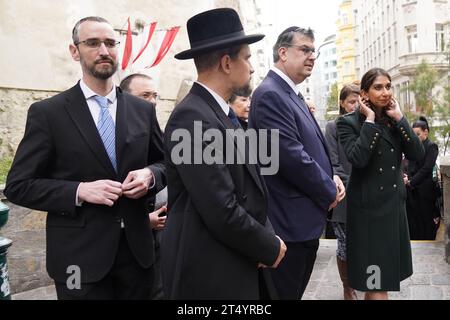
x,y
198,90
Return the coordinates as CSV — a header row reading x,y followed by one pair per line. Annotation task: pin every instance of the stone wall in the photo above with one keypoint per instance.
x,y
36,37
445,171
38,63
14,104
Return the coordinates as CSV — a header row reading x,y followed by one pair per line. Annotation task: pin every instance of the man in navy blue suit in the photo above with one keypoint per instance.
x,y
304,189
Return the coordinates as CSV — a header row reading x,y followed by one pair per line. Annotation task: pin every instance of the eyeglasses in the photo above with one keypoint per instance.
x,y
96,43
306,50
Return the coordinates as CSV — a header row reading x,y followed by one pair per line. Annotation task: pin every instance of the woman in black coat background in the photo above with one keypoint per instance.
x,y
348,102
423,214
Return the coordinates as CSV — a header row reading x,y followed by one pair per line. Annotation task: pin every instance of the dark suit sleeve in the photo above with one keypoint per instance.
x,y
296,165
332,141
360,145
212,191
427,168
411,145
156,155
27,182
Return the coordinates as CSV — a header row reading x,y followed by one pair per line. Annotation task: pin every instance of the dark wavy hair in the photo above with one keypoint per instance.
x,y
244,92
366,82
421,123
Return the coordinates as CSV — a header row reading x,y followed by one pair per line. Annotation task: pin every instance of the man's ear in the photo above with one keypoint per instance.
x,y
74,52
225,64
282,53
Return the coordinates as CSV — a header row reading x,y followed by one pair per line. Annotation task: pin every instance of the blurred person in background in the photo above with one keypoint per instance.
x,y
348,102
423,214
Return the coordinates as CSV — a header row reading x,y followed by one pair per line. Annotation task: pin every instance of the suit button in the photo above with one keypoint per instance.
x,y
64,213
377,134
380,153
408,139
392,150
395,186
381,188
381,170
393,168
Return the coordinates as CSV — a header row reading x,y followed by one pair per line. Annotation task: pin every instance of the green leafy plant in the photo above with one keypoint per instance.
x,y
424,81
332,103
5,165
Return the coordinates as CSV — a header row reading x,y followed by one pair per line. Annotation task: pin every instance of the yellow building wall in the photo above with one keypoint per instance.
x,y
345,45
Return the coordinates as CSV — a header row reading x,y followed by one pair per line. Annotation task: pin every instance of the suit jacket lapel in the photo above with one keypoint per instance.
x,y
79,112
202,92
121,130
297,100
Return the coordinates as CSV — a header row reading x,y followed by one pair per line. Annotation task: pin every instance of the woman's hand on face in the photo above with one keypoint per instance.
x,y
393,110
365,109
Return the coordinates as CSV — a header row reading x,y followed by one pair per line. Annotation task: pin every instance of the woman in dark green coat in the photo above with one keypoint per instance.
x,y
374,138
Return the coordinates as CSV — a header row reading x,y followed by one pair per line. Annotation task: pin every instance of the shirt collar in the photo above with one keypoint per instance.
x,y
222,103
286,79
88,93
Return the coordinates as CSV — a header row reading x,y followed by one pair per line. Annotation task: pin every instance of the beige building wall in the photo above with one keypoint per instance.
x,y
35,61
35,36
397,35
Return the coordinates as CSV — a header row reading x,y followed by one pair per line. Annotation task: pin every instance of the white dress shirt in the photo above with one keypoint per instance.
x,y
286,79
222,103
94,107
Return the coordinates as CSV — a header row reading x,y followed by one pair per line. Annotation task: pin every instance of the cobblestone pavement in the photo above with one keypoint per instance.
x,y
430,281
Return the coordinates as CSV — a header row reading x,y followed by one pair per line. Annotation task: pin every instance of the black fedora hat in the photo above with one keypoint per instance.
x,y
213,30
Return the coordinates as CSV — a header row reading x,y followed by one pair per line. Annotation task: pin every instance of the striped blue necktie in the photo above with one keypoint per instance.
x,y
107,130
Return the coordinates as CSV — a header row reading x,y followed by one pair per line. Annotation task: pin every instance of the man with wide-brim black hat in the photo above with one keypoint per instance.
x,y
216,238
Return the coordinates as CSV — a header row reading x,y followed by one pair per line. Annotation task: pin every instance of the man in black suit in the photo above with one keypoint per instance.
x,y
216,233
143,86
90,156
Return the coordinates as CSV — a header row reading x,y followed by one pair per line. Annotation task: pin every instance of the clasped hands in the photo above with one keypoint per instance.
x,y
107,192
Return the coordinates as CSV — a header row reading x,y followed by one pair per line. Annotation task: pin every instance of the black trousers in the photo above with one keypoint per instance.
x,y
157,292
127,280
293,273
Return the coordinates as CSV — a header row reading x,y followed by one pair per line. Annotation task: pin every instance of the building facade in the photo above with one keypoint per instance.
x,y
324,76
256,20
346,45
397,35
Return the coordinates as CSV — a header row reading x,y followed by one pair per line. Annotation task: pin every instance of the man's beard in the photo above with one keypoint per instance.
x,y
245,90
102,73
